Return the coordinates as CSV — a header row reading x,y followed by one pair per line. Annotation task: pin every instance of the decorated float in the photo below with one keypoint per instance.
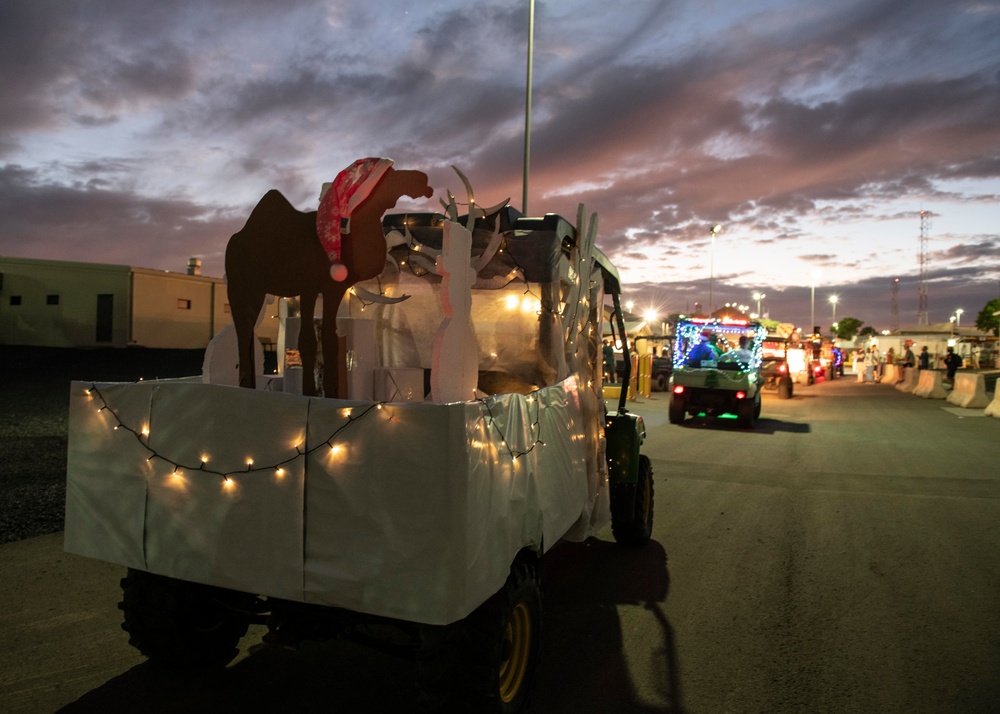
x,y
429,438
717,369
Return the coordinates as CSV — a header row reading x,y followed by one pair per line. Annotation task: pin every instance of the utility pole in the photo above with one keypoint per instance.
x,y
527,106
894,320
925,227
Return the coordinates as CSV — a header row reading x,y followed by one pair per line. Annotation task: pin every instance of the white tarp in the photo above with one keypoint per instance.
x,y
407,510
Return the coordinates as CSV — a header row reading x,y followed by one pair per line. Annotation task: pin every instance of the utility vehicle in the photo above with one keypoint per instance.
x,y
703,383
383,517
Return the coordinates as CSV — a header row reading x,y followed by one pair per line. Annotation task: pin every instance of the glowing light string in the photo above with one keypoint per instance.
x,y
490,421
142,436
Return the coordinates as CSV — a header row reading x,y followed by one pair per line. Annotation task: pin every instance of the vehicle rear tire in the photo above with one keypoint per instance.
x,y
677,411
486,662
744,414
785,388
659,383
182,624
757,406
638,529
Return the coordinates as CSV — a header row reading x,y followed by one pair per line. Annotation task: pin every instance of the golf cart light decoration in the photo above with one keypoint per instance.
x,y
278,469
689,335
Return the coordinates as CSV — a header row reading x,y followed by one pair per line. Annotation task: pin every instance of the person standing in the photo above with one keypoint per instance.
x,y
877,363
909,362
925,358
870,362
609,362
952,363
974,357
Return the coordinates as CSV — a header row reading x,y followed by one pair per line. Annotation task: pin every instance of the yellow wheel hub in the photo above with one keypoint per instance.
x,y
517,652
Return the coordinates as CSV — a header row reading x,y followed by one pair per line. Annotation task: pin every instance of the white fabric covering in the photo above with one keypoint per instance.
x,y
418,515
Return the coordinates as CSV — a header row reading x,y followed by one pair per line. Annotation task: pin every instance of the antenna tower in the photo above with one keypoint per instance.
x,y
925,227
894,320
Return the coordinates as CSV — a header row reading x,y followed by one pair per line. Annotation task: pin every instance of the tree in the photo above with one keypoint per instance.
x,y
865,331
987,321
848,327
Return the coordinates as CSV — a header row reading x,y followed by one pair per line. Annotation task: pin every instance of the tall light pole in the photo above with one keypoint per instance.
x,y
527,106
812,302
958,319
758,297
833,301
711,269
812,307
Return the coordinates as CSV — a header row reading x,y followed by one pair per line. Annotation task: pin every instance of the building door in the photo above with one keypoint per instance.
x,y
105,318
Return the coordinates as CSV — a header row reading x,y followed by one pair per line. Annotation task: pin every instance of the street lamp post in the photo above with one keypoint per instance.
x,y
527,106
758,297
711,269
833,301
812,306
958,319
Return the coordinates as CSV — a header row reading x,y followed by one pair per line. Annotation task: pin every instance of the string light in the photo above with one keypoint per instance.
x,y
228,483
490,422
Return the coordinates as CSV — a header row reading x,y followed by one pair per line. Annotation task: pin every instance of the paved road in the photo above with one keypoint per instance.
x,y
843,557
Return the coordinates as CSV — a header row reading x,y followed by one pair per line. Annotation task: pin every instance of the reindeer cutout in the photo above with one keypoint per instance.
x,y
286,252
455,353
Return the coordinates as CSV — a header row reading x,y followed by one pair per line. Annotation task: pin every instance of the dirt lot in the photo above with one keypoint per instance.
x,y
34,400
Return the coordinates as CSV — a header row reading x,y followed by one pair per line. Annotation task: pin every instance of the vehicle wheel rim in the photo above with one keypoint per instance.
x,y
517,643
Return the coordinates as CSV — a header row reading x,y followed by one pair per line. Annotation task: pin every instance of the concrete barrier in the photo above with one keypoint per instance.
x,y
910,375
969,391
889,374
929,386
993,408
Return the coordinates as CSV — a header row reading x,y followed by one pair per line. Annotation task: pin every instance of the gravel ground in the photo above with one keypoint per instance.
x,y
34,405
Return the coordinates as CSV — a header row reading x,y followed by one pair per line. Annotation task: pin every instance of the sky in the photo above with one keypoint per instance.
x,y
814,134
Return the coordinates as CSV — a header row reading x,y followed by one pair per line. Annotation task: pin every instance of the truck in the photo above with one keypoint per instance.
x,y
382,517
706,381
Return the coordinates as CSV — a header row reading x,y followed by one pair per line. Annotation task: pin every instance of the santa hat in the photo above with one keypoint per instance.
x,y
339,199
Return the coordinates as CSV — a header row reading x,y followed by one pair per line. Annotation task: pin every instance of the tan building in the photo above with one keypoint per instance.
x,y
50,303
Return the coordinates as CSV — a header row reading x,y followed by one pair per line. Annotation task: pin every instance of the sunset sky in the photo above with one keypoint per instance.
x,y
143,133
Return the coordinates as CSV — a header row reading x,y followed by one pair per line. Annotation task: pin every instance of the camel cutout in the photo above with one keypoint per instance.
x,y
286,252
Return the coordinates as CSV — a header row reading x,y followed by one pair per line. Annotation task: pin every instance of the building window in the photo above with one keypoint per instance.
x,y
51,299
183,304
15,299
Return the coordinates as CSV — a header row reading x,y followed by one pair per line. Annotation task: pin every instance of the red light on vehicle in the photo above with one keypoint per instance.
x,y
679,389
818,369
783,368
741,395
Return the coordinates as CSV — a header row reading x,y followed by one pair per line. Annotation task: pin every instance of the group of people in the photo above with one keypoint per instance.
x,y
872,362
708,350
869,365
